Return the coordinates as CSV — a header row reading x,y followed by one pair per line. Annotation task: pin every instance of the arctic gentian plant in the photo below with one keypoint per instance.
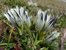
x,y
20,19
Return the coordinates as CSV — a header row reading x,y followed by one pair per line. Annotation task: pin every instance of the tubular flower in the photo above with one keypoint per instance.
x,y
18,16
53,36
44,20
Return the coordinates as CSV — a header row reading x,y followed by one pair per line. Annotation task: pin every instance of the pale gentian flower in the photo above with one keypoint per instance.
x,y
53,36
18,15
39,20
44,20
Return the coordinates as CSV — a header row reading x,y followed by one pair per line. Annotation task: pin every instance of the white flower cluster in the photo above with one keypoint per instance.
x,y
42,19
18,15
